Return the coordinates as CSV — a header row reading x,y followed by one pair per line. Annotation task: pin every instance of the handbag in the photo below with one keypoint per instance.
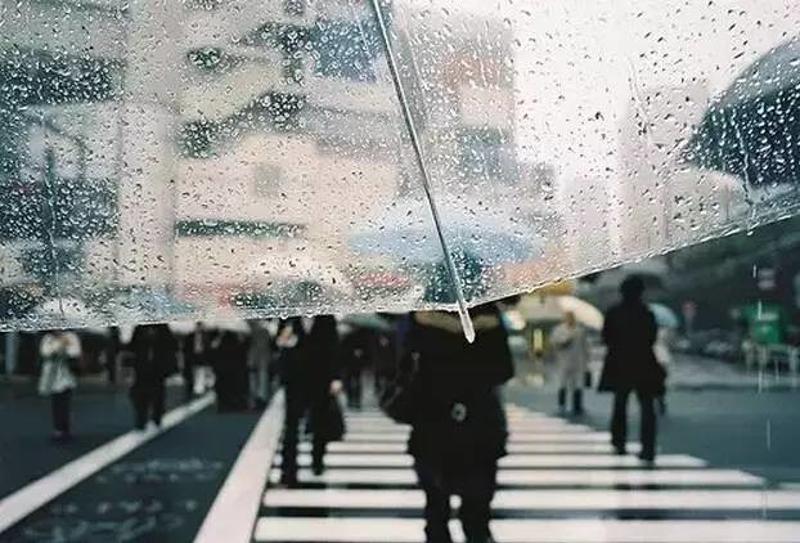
x,y
399,398
332,425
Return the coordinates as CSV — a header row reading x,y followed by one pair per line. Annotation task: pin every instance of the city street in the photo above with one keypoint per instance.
x,y
728,470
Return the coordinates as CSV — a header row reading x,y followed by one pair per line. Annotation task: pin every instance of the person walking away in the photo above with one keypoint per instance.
x,y
310,375
459,427
629,332
230,369
154,359
355,352
259,359
195,347
60,352
572,357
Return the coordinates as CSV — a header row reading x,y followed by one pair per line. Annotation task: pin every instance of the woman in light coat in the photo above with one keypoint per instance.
x,y
572,356
60,351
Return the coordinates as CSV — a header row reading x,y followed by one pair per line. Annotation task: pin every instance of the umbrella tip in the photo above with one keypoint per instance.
x,y
466,324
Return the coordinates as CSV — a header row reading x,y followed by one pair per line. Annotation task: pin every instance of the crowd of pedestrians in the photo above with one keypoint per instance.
x,y
425,374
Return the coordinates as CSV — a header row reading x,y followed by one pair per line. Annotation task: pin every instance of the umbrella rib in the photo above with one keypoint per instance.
x,y
466,322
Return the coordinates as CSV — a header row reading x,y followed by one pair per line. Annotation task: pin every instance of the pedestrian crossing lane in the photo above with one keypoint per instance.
x,y
560,482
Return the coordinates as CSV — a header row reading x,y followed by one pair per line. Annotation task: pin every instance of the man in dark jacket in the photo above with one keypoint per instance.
x,y
310,375
629,333
155,358
459,427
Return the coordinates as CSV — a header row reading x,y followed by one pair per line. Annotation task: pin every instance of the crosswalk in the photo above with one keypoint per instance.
x,y
560,483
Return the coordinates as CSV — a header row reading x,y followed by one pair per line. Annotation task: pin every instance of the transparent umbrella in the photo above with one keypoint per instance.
x,y
373,137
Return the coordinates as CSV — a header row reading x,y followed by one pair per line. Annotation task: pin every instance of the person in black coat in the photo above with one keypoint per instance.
x,y
310,375
459,429
629,332
195,348
154,359
229,361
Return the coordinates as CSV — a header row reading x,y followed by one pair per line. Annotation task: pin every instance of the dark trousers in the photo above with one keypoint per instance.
x,y
148,402
296,410
475,486
188,380
577,400
353,386
619,422
60,407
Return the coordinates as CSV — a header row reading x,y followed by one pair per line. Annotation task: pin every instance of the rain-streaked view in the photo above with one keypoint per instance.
x,y
399,271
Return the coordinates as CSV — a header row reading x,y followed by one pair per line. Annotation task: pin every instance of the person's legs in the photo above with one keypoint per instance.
x,y
577,401
319,439
188,379
60,410
291,428
139,400
562,398
619,421
476,501
357,388
157,402
437,502
648,426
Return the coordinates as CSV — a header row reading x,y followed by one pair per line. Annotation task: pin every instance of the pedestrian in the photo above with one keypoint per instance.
x,y
259,360
572,357
195,348
310,375
154,359
60,353
356,352
459,431
629,332
231,382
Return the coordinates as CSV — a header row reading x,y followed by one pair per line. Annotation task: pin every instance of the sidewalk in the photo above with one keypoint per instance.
x,y
100,412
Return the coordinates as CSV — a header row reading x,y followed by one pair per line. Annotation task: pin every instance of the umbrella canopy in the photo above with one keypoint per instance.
x,y
665,317
68,313
752,130
206,176
553,308
406,232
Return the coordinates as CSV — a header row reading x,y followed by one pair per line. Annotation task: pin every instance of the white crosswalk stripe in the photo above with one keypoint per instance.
x,y
560,482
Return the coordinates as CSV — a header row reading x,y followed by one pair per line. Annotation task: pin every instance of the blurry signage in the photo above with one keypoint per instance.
x,y
765,323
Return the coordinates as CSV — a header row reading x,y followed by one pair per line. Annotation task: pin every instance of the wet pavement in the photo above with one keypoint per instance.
x,y
728,470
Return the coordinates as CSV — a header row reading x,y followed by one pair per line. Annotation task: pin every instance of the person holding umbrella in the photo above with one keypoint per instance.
x,y
458,425
60,351
629,333
572,355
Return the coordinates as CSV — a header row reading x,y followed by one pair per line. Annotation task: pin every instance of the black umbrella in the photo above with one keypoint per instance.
x,y
753,129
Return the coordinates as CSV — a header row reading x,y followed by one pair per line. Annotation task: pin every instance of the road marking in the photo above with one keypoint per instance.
x,y
235,508
513,448
516,437
550,477
31,497
399,530
389,460
548,500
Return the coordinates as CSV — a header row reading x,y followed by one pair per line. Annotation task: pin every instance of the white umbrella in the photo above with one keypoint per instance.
x,y
585,313
552,308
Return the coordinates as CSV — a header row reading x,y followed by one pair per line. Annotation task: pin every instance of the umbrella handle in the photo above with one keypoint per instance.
x,y
463,311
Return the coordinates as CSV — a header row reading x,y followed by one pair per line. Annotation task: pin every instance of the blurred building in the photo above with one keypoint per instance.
x,y
215,148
